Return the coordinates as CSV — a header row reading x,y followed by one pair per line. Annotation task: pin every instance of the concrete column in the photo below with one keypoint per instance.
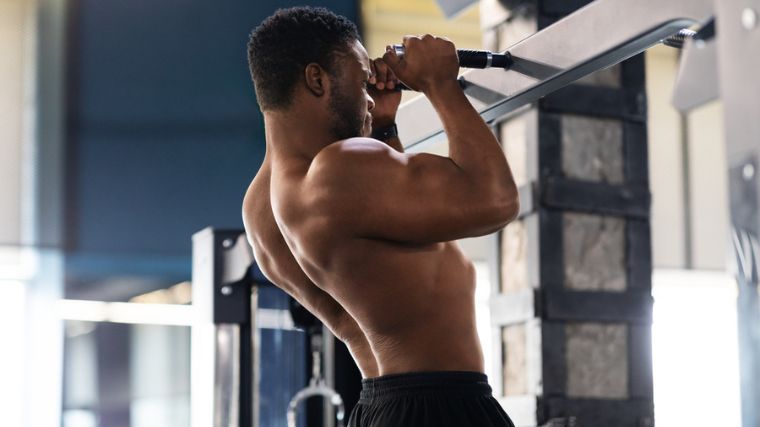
x,y
574,302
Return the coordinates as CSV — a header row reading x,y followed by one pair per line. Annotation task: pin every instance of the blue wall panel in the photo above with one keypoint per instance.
x,y
164,134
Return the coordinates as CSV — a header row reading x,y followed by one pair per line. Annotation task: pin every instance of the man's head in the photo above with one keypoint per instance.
x,y
295,45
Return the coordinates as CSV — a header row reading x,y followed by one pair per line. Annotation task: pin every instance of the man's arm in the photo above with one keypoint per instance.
x,y
383,90
430,64
366,189
370,190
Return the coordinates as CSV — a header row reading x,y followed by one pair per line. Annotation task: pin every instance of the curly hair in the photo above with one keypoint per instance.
x,y
285,43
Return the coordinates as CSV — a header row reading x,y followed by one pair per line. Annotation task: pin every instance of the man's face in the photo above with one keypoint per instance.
x,y
349,102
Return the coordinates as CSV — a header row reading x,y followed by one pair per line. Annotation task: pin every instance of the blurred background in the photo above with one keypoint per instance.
x,y
127,126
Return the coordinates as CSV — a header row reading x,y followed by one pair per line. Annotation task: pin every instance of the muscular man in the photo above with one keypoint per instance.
x,y
360,232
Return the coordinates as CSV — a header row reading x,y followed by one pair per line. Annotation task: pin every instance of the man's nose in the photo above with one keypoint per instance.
x,y
370,103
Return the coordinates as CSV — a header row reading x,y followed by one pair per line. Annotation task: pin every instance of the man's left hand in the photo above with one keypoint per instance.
x,y
383,88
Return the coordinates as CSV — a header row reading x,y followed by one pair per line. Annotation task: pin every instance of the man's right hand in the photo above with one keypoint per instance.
x,y
428,61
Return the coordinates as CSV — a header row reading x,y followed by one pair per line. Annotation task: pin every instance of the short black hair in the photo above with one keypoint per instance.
x,y
285,43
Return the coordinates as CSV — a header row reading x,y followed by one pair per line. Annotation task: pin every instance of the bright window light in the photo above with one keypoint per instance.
x,y
123,312
12,302
79,418
695,349
483,316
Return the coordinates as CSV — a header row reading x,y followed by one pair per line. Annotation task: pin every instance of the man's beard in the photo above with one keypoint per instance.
x,y
346,121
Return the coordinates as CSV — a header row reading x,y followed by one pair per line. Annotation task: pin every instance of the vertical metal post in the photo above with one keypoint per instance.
x,y
255,373
738,38
328,363
226,376
225,338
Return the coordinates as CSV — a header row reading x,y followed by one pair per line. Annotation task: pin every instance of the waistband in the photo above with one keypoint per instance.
x,y
418,383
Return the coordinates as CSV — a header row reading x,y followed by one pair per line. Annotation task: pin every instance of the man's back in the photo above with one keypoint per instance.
x,y
414,302
278,264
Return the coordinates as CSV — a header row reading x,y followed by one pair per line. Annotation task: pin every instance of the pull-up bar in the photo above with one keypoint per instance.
x,y
591,39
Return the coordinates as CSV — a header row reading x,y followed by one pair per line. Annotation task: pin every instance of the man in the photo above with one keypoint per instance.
x,y
361,233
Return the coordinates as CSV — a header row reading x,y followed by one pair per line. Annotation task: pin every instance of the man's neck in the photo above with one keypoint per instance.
x,y
295,134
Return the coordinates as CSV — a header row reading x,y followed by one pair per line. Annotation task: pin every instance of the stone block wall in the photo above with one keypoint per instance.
x,y
573,305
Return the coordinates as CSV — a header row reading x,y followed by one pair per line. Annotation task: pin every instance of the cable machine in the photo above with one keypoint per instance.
x,y
227,344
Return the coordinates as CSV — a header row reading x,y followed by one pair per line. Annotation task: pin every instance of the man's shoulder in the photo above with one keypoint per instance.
x,y
353,147
351,156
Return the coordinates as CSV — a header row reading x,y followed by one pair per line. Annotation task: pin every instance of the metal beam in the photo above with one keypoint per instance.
x,y
593,38
738,44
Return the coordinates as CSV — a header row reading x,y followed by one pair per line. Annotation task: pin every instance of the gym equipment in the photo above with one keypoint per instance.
x,y
557,56
317,386
306,321
227,344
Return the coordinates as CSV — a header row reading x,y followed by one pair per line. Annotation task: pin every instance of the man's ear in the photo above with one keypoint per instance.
x,y
317,80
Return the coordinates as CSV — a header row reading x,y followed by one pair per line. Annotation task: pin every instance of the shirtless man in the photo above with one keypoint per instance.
x,y
360,232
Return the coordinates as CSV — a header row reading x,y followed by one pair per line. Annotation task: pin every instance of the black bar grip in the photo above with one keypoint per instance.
x,y
483,59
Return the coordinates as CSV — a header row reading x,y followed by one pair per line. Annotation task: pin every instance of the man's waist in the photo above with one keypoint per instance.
x,y
426,382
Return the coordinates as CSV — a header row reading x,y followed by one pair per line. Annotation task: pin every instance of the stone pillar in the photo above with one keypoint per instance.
x,y
573,306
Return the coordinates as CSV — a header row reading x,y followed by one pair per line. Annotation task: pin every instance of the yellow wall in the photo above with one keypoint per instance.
x,y
14,78
387,21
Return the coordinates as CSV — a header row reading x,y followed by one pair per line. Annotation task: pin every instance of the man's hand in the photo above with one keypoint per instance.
x,y
383,90
427,62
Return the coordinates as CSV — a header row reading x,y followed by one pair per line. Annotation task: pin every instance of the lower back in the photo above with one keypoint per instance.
x,y
415,305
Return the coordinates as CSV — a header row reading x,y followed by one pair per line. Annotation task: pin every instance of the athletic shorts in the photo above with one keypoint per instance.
x,y
419,399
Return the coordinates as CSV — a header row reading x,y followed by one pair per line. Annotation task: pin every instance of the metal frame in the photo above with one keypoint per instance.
x,y
226,341
738,45
557,56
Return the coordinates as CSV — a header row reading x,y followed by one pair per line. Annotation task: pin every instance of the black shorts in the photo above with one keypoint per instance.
x,y
421,399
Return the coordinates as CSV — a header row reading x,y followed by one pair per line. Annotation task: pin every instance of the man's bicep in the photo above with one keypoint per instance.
x,y
415,198
434,201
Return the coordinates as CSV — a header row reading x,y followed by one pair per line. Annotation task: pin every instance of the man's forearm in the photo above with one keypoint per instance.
x,y
472,145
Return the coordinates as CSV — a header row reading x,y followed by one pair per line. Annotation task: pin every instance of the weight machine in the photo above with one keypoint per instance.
x,y
227,344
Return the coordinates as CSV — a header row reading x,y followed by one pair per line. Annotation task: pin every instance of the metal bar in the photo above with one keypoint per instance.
x,y
254,387
204,333
226,403
328,344
586,41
